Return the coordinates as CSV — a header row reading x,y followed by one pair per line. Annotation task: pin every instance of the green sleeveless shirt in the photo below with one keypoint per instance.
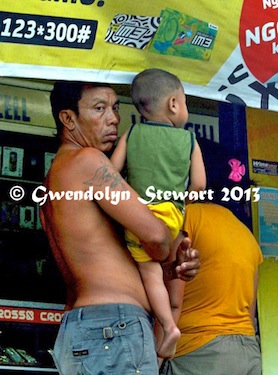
x,y
158,155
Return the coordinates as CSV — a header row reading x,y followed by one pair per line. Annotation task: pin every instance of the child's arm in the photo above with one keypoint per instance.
x,y
197,180
119,155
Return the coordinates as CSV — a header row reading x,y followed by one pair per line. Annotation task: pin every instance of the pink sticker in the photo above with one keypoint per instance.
x,y
238,170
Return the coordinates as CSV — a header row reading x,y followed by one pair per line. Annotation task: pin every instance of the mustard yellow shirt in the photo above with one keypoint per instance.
x,y
217,300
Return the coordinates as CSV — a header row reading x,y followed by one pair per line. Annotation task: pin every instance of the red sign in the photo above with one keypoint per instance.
x,y
30,315
258,36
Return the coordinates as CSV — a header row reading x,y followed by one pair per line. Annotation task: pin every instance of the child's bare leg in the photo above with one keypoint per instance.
x,y
168,347
152,276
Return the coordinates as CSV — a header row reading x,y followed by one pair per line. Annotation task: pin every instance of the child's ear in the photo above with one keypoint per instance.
x,y
172,104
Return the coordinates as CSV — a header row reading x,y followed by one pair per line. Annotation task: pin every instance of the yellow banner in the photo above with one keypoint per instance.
x,y
216,48
112,35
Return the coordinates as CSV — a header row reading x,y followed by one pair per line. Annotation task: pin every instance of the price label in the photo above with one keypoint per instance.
x,y
47,31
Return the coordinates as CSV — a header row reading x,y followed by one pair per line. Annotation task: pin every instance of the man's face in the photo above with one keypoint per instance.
x,y
98,119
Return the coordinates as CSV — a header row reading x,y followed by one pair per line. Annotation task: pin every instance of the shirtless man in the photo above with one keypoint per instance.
x,y
107,327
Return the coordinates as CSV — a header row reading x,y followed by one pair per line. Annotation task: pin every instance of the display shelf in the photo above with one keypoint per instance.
x,y
27,369
33,292
32,327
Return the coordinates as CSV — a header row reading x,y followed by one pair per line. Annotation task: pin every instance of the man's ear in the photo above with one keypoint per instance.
x,y
172,104
67,118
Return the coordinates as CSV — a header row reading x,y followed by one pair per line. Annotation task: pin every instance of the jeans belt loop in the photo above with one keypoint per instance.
x,y
107,333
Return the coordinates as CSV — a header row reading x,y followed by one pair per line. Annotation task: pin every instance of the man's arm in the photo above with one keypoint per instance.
x,y
125,206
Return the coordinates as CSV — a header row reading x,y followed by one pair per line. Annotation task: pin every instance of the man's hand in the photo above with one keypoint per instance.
x,y
188,261
188,269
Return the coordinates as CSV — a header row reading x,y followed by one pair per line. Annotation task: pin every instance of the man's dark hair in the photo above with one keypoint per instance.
x,y
66,95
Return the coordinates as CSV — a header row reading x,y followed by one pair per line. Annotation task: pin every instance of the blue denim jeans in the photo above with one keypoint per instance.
x,y
106,340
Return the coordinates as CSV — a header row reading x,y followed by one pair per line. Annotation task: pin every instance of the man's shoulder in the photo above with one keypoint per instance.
x,y
80,161
88,156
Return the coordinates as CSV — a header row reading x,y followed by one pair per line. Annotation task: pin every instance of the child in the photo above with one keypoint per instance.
x,y
161,156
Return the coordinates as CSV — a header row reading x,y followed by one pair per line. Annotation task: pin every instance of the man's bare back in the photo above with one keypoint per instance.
x,y
90,252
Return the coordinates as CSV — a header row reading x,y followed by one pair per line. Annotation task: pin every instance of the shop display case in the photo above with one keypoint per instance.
x,y
27,334
32,293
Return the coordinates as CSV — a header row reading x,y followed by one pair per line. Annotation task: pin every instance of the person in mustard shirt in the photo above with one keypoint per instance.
x,y
217,319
